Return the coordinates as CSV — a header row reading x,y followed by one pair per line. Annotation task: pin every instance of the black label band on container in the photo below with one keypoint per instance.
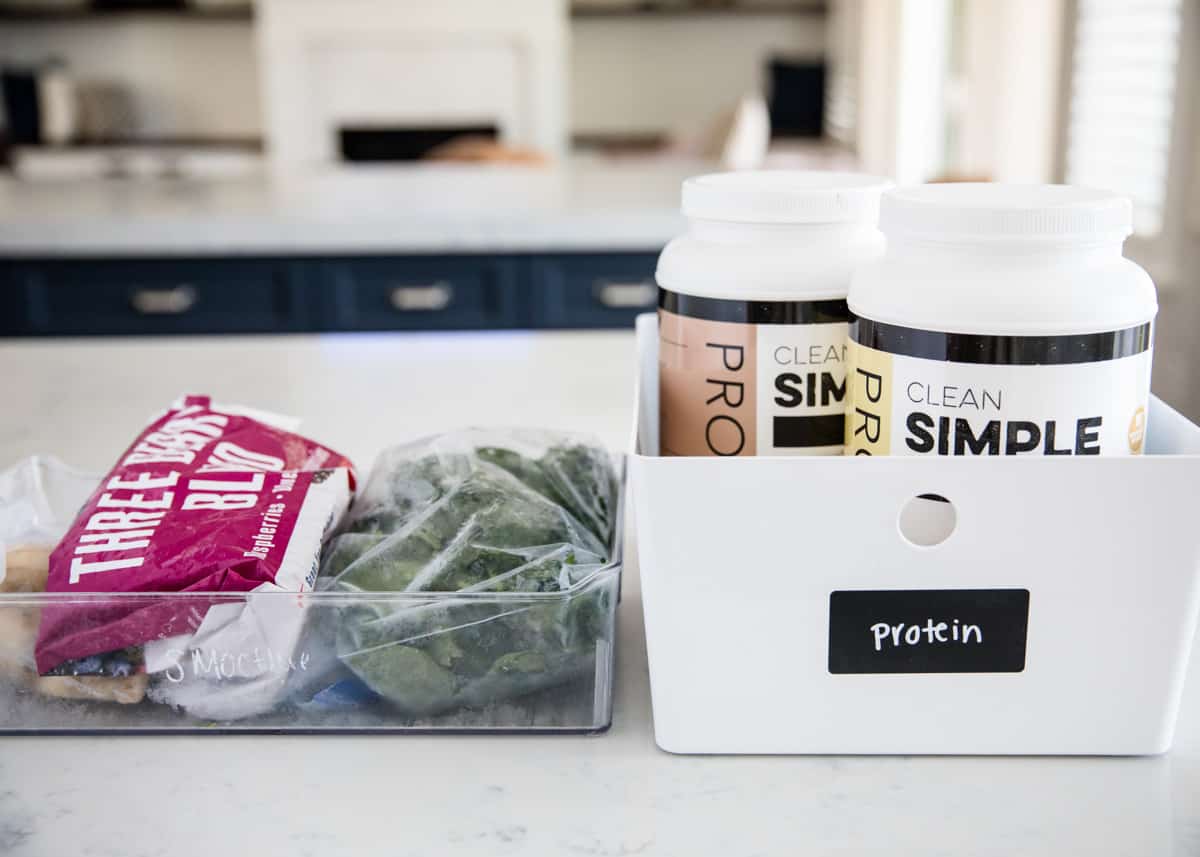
x,y
809,432
1005,350
754,312
928,631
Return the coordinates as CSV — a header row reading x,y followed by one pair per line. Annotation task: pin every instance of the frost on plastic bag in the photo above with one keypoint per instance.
x,y
39,497
503,514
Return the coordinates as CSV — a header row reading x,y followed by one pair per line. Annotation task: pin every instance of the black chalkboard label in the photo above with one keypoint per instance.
x,y
928,631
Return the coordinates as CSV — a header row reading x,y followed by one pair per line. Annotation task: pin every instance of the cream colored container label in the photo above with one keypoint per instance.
x,y
1087,396
743,388
802,384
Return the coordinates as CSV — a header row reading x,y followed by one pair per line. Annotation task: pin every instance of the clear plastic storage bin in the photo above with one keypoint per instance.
x,y
522,662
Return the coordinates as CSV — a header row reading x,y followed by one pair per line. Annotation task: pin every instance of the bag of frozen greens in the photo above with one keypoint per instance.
x,y
507,526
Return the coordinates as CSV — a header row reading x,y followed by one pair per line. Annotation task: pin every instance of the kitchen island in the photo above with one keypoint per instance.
x,y
425,247
612,794
587,204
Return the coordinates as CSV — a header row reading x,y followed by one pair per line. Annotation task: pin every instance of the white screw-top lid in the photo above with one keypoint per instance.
x,y
983,212
784,196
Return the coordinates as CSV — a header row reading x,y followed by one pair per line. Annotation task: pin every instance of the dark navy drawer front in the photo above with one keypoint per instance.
x,y
243,295
419,293
607,290
12,302
156,296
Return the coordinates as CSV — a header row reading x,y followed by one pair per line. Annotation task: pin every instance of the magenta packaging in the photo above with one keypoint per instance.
x,y
207,499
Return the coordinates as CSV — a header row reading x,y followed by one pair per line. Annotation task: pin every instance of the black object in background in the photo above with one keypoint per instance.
x,y
402,144
797,103
21,106
138,4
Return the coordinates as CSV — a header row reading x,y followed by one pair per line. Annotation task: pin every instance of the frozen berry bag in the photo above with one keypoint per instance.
x,y
208,499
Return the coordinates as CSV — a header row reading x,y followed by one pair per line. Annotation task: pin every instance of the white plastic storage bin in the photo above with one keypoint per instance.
x,y
765,582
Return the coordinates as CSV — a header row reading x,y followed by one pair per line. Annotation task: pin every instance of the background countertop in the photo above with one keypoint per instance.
x,y
614,794
587,204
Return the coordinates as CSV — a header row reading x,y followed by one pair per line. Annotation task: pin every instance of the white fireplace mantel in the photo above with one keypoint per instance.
x,y
409,62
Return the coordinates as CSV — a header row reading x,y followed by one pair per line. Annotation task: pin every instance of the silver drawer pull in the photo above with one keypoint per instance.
x,y
431,298
616,295
174,301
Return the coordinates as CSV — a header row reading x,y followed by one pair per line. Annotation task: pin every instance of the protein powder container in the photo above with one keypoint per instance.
x,y
1002,320
752,311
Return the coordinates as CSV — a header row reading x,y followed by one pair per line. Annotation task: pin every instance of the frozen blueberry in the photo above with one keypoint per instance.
x,y
93,665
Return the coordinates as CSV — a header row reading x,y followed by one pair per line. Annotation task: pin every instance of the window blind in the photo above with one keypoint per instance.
x,y
1124,65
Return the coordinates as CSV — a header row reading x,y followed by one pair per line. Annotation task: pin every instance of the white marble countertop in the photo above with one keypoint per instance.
x,y
589,204
614,794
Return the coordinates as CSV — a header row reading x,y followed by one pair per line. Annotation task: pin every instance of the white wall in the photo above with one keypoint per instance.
x,y
638,74
877,78
186,78
1013,66
647,74
923,40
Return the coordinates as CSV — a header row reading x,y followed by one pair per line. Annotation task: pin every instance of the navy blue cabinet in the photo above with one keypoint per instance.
x,y
247,295
419,293
12,304
106,296
586,290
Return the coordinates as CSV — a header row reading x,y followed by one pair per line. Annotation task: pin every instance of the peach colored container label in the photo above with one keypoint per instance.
x,y
760,378
707,386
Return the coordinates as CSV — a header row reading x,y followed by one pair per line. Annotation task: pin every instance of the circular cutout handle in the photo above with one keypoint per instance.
x,y
927,520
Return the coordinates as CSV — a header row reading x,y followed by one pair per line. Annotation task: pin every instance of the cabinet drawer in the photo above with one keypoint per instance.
x,y
12,302
157,296
594,290
419,293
